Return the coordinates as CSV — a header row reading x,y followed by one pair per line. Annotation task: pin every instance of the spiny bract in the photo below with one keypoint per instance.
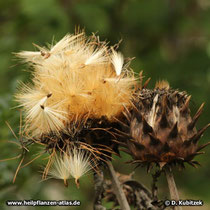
x,y
160,129
77,78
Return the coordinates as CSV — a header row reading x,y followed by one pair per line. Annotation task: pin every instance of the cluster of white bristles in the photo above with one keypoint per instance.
x,y
77,78
74,163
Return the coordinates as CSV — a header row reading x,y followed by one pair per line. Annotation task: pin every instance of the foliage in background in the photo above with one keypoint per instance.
x,y
169,40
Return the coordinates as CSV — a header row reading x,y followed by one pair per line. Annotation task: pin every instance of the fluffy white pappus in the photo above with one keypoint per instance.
x,y
43,53
79,162
74,164
117,60
52,119
64,43
97,57
30,56
60,169
45,117
29,97
35,108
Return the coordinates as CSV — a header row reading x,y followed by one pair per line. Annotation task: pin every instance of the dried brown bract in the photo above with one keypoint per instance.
x,y
160,128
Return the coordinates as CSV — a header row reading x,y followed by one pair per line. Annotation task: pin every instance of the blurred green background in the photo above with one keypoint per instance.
x,y
169,40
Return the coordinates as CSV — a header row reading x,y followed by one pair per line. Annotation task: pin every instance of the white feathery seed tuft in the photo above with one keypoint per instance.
x,y
59,169
63,43
117,60
29,56
79,163
51,119
74,164
36,109
97,57
44,53
45,117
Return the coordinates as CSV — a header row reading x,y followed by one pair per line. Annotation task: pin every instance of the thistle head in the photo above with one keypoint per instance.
x,y
78,78
161,128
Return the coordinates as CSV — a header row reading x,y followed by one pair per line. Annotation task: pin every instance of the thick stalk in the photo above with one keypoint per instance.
x,y
172,187
118,189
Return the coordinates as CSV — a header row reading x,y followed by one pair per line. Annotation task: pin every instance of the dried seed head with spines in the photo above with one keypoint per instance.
x,y
161,129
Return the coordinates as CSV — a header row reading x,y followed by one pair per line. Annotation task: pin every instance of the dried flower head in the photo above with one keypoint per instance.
x,y
161,129
77,78
79,87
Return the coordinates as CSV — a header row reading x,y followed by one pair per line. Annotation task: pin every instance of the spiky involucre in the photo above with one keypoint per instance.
x,y
77,78
161,129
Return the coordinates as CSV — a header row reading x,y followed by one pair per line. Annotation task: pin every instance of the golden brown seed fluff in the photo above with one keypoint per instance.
x,y
161,129
78,78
